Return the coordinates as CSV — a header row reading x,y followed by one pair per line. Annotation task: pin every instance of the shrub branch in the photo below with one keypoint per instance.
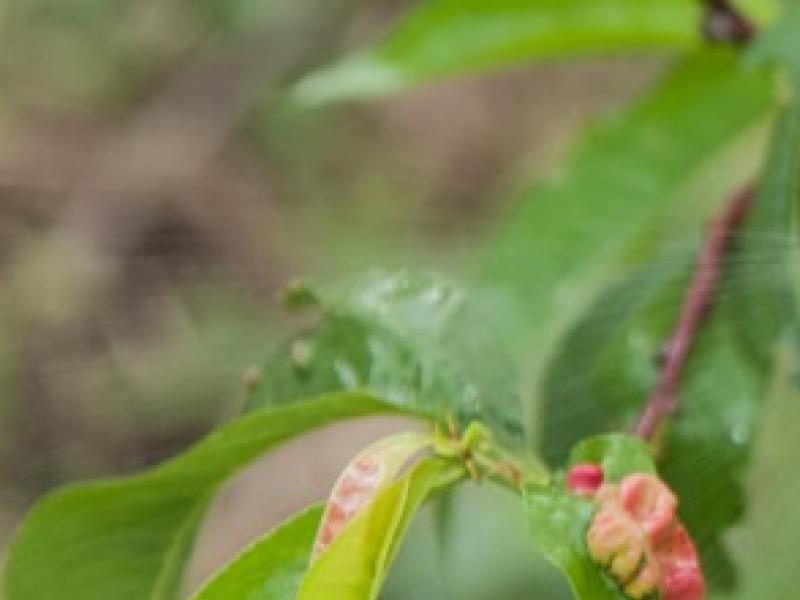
x,y
664,398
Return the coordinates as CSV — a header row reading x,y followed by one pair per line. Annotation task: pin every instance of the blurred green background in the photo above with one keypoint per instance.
x,y
157,189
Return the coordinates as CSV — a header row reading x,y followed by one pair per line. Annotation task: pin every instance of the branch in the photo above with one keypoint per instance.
x,y
663,400
723,23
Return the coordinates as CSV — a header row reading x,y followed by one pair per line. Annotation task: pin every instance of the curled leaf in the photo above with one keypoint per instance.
x,y
585,479
560,519
367,474
83,541
638,538
356,563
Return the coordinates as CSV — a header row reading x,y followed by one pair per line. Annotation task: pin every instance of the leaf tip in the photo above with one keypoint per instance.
x,y
360,77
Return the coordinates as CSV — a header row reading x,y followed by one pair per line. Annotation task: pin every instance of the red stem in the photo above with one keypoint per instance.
x,y
663,400
724,23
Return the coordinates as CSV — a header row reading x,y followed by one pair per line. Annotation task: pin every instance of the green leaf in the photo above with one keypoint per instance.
x,y
625,190
356,563
592,374
272,568
765,295
760,12
447,37
626,194
780,44
622,187
766,543
418,340
618,454
605,365
128,538
707,445
766,324
170,579
558,523
732,363
558,520
707,448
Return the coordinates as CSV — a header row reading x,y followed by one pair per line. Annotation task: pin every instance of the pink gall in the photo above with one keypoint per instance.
x,y
585,479
636,535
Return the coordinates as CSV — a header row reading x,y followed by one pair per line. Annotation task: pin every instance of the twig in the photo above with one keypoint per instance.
x,y
663,400
724,23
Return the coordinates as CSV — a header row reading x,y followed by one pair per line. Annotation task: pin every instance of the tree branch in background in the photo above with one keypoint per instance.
x,y
664,400
723,23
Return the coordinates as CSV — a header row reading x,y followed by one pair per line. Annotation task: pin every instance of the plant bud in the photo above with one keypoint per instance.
x,y
585,479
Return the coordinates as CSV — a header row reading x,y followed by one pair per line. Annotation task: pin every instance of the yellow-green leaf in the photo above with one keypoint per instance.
x,y
128,538
355,565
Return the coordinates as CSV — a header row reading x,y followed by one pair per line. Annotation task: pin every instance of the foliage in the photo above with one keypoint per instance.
x,y
558,520
545,360
272,567
358,560
417,340
452,36
150,520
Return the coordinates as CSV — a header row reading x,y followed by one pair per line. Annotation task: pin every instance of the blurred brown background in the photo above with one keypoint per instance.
x,y
157,189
